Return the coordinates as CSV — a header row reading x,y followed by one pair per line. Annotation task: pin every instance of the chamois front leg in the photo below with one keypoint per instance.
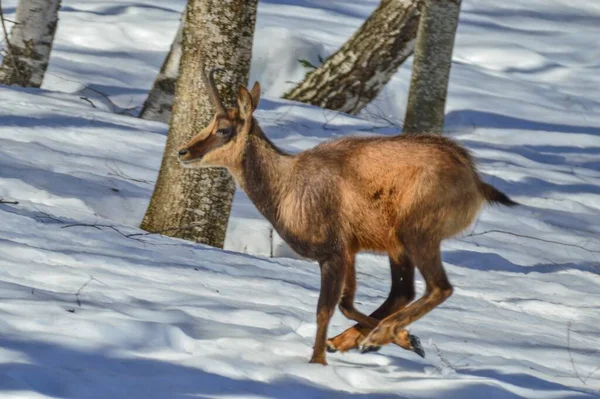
x,y
347,302
332,281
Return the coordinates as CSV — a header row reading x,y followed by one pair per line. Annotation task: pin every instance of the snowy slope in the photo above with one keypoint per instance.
x,y
88,310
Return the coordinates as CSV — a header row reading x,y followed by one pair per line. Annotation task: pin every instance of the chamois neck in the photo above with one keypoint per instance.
x,y
265,173
258,139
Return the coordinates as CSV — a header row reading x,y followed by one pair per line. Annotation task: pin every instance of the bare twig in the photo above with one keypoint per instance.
x,y
3,201
591,373
103,226
271,241
9,48
570,354
118,172
128,111
88,100
129,108
112,105
530,237
85,285
148,233
379,116
329,119
445,361
95,226
130,236
46,215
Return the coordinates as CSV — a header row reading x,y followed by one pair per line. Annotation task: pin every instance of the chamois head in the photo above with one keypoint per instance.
x,y
221,141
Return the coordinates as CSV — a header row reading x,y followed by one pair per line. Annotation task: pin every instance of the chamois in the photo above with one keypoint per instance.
x,y
401,195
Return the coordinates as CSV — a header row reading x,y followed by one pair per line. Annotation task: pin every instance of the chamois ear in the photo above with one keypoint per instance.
x,y
245,103
255,93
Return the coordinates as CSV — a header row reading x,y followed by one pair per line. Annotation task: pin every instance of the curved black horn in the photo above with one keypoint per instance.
x,y
209,83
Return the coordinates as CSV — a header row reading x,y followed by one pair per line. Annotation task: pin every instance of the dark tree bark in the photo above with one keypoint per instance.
x,y
431,67
159,104
195,204
30,43
354,75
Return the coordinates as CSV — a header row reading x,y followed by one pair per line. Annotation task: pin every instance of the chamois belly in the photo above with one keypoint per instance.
x,y
307,246
312,232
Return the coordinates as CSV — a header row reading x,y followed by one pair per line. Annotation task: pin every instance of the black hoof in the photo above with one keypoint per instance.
x,y
415,343
369,349
331,348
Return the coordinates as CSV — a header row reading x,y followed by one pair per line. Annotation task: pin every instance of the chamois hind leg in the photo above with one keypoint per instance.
x,y
332,280
401,294
427,257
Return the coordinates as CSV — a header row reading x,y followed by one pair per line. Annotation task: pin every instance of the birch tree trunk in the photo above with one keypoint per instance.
x,y
431,67
159,104
195,204
30,44
353,76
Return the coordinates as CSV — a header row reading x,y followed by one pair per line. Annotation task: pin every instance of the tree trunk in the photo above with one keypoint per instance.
x,y
353,76
195,204
431,67
159,104
31,40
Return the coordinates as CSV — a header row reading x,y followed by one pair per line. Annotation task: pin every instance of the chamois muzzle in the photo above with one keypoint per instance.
x,y
197,148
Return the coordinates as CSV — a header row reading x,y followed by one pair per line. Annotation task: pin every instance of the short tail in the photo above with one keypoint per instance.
x,y
495,196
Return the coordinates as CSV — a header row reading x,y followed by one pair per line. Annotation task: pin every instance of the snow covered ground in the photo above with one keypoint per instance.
x,y
90,308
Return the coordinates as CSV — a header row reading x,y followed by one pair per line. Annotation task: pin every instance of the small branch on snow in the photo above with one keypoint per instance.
x,y
80,289
445,361
3,201
103,95
130,236
375,113
167,230
95,226
533,238
271,243
119,173
88,100
129,111
92,278
591,373
112,105
329,119
129,108
103,226
46,215
570,354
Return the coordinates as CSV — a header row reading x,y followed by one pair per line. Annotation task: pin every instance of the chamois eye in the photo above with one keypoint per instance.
x,y
224,132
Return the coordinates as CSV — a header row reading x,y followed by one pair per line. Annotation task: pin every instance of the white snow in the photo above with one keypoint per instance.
x,y
92,312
